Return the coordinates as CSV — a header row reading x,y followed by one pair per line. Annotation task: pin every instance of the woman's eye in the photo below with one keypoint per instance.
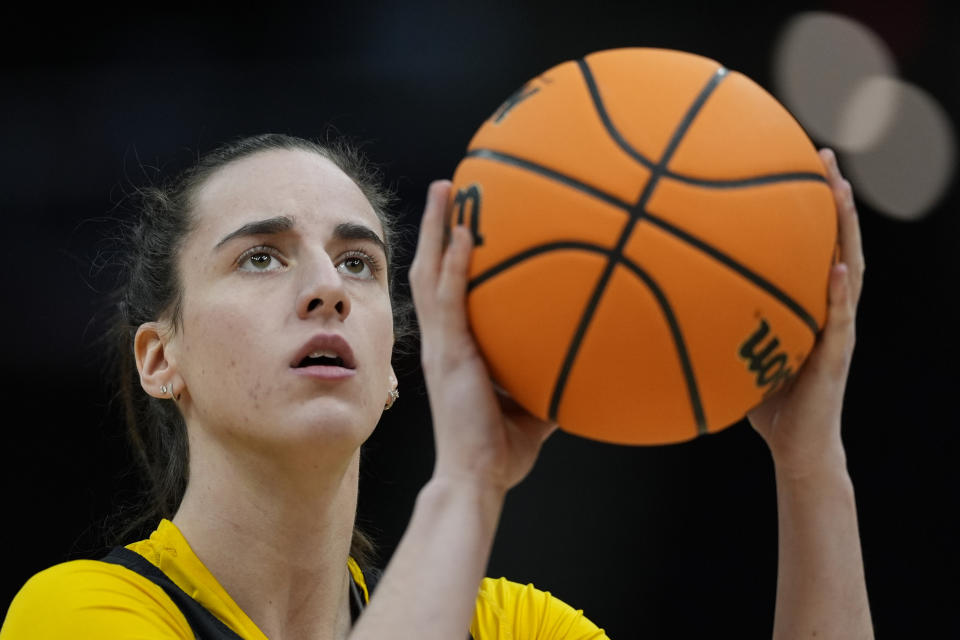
x,y
356,266
260,261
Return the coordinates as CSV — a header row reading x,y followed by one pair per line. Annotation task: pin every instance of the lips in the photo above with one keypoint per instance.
x,y
326,351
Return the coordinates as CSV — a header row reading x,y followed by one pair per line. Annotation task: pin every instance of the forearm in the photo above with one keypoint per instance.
x,y
821,590
429,588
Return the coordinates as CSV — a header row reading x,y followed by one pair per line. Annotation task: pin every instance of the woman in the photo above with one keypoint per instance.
x,y
258,310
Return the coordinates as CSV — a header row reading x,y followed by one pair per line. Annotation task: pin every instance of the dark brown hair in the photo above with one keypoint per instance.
x,y
151,288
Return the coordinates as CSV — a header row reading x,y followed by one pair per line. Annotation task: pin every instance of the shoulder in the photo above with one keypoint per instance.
x,y
508,609
92,599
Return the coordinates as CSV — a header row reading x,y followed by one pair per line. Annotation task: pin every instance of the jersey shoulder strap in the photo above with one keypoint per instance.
x,y
204,624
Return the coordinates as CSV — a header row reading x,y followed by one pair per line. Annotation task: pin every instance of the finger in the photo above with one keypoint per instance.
x,y
848,224
839,333
452,284
847,214
426,261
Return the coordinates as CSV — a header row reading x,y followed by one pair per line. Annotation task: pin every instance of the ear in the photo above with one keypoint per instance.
x,y
393,378
154,357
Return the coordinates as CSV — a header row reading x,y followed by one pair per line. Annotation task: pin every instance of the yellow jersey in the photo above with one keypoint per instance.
x,y
92,599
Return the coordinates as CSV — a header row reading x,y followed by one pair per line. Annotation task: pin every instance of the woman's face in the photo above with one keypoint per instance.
x,y
285,260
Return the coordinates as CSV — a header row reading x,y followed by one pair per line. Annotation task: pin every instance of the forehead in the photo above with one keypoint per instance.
x,y
296,183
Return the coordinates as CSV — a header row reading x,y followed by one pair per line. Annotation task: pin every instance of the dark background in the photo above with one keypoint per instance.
x,y
675,541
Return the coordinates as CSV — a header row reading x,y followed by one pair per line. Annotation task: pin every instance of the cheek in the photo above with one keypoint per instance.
x,y
377,343
383,334
224,360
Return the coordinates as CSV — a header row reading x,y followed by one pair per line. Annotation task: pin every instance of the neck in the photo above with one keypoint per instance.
x,y
275,535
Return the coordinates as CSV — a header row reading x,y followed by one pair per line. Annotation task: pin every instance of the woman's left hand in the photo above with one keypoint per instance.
x,y
801,422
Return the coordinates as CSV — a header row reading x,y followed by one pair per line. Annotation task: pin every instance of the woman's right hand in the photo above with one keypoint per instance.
x,y
480,435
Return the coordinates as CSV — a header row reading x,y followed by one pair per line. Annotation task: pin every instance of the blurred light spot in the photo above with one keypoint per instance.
x,y
820,62
867,113
909,168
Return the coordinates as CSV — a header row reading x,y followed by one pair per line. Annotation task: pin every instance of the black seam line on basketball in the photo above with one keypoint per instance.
x,y
796,176
646,162
605,117
531,252
677,135
695,402
692,388
692,112
755,278
585,317
617,255
649,164
505,158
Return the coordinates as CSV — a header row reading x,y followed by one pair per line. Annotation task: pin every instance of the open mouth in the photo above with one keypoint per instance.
x,y
322,360
325,352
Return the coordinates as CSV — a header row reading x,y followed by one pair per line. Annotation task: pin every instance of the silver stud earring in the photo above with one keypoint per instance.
x,y
165,389
394,394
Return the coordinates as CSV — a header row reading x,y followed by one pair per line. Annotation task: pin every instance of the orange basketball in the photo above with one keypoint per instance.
x,y
653,237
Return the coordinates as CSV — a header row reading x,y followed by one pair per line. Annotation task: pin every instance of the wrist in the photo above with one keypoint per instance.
x,y
456,484
824,470
483,471
463,499
810,459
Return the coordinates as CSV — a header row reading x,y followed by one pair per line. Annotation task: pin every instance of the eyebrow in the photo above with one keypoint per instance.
x,y
267,227
282,224
353,231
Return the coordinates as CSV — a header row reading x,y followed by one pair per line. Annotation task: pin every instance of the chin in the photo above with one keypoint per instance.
x,y
329,423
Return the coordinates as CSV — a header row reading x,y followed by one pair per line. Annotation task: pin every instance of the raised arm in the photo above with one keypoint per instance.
x,y
484,446
821,590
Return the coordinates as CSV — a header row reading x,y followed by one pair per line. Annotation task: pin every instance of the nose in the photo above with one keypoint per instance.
x,y
322,292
